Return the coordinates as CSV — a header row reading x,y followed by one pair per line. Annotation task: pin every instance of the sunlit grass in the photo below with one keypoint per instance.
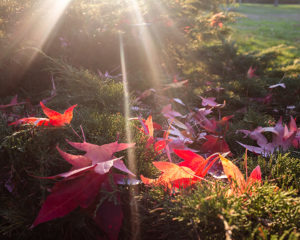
x,y
264,26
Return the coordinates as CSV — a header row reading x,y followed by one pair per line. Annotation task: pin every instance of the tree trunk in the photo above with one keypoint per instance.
x,y
276,2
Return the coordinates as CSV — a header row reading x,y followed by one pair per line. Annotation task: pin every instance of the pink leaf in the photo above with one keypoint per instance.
x,y
169,113
256,135
251,73
101,153
77,161
210,102
72,173
119,164
283,138
12,103
100,168
262,151
289,133
178,101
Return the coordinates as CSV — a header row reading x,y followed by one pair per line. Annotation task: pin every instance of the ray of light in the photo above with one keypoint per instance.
x,y
131,154
36,27
169,66
148,44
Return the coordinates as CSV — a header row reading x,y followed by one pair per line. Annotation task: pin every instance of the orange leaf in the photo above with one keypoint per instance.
x,y
204,168
149,125
55,118
238,184
234,175
147,181
58,119
171,173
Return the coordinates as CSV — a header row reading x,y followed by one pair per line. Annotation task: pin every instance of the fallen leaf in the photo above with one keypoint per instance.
x,y
278,85
67,195
101,153
170,173
54,118
282,138
251,73
237,181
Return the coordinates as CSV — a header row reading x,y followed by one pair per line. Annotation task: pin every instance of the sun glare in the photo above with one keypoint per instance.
x,y
37,27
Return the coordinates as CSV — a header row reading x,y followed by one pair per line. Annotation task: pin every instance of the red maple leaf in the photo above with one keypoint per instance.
x,y
196,162
54,118
69,194
109,215
215,144
80,186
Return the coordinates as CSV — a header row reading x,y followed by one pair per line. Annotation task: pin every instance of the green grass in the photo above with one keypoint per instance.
x,y
262,26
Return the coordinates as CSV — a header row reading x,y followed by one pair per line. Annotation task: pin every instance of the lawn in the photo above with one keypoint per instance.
x,y
262,26
149,120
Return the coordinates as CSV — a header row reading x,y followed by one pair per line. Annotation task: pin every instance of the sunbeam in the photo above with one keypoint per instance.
x,y
131,154
147,43
36,28
175,33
